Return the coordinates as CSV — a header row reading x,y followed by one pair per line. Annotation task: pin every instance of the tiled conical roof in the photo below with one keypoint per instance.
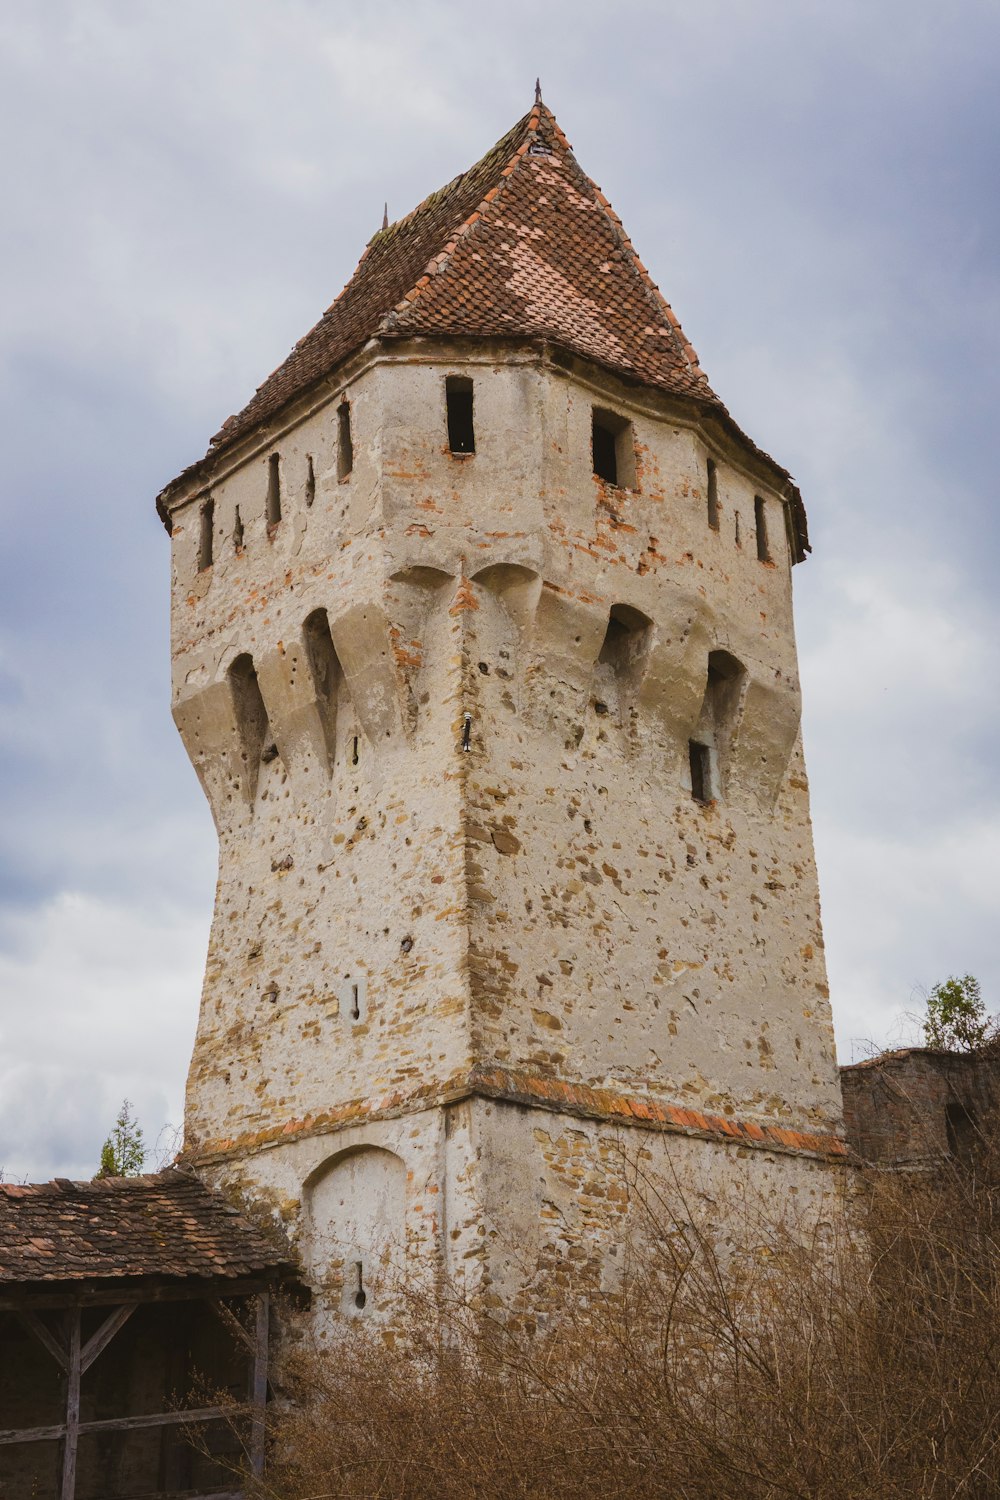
x,y
522,245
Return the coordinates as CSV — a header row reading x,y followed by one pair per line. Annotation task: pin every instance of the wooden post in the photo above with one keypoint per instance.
x,y
72,1404
258,1388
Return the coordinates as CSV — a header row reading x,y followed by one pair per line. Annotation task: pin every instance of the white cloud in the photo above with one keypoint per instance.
x,y
100,1003
900,915
906,812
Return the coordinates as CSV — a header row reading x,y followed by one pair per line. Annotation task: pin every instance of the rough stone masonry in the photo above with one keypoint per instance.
x,y
483,652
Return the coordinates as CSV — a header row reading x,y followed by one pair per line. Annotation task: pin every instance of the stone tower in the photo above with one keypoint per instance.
x,y
483,652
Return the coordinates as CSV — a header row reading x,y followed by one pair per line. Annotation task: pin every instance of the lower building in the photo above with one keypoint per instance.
x,y
134,1338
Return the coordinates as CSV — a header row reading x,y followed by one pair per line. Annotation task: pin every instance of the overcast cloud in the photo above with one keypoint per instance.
x,y
187,186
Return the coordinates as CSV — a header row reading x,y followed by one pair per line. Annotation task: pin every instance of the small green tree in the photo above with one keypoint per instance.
x,y
124,1152
957,1019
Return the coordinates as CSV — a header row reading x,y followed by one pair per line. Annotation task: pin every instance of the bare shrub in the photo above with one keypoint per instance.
x,y
776,1366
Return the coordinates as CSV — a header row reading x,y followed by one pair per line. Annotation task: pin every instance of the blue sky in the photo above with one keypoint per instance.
x,y
186,187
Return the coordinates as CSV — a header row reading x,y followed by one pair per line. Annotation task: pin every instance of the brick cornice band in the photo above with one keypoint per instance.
x,y
554,1094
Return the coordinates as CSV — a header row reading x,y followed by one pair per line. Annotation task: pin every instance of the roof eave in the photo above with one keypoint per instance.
x,y
199,475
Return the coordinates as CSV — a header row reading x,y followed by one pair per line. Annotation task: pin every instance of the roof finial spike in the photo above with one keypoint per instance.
x,y
538,91
385,216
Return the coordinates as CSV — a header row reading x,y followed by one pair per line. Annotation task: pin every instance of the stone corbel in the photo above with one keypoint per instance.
x,y
207,721
363,643
296,717
673,684
567,637
765,736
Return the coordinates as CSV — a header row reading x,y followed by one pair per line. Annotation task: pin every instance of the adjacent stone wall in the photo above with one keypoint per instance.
x,y
912,1107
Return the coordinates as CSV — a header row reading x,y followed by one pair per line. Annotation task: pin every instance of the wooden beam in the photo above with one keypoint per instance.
x,y
34,1434
99,1341
258,1387
162,1419
95,1295
42,1334
68,1490
229,1320
212,1495
124,1424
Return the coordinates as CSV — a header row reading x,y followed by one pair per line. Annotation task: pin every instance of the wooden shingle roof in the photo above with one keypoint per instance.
x,y
166,1226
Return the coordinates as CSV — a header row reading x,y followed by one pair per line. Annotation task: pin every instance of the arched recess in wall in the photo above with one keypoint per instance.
x,y
505,597
256,741
327,676
416,598
355,1206
623,658
712,742
517,589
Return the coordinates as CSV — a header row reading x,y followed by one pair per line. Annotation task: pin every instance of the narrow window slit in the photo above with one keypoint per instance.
x,y
256,740
238,532
360,1296
310,481
345,443
701,771
710,749
206,534
713,496
458,400
354,751
760,522
355,1004
327,676
273,490
739,536
467,732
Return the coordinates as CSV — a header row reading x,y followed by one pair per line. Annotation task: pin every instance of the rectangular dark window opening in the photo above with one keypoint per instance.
x,y
760,521
605,457
345,443
713,496
701,771
273,490
613,448
206,535
458,398
310,480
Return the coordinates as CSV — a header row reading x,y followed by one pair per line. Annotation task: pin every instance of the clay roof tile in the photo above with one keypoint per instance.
x,y
166,1225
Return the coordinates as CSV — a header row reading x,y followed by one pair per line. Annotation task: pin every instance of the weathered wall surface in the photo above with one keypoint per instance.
x,y
402,923
506,1204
